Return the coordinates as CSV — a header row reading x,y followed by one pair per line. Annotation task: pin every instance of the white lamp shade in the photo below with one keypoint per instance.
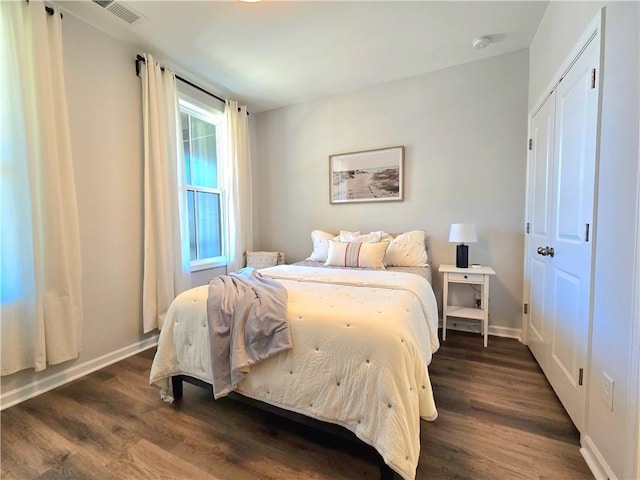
x,y
463,233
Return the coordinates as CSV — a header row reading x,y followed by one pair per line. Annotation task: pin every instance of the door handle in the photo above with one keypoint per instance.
x,y
544,251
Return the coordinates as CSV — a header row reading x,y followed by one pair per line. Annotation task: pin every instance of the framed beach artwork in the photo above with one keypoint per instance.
x,y
368,176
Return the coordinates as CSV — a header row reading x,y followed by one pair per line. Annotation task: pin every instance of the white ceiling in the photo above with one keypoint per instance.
x,y
278,53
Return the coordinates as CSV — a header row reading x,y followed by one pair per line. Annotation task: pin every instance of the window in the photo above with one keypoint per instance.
x,y
203,190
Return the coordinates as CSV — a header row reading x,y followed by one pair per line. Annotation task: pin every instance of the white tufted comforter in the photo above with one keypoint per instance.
x,y
362,341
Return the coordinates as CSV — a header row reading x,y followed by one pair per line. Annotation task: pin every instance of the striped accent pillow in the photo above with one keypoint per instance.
x,y
356,254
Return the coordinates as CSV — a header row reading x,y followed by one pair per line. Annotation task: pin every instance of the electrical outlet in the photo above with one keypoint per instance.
x,y
478,299
607,390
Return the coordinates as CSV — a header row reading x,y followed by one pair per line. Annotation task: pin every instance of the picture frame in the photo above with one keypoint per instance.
x,y
367,176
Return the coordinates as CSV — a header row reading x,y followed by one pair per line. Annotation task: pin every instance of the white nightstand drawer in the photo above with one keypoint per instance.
x,y
466,277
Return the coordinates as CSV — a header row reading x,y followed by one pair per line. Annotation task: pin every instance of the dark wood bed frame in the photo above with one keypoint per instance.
x,y
386,473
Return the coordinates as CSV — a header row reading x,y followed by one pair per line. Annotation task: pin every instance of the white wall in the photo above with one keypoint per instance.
x,y
464,131
610,435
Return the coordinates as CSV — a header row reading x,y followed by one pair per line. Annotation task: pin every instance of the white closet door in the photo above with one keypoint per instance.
x,y
559,245
569,281
539,204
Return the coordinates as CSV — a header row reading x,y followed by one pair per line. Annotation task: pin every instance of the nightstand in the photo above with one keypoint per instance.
x,y
471,276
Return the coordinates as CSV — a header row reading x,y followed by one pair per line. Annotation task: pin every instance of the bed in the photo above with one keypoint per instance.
x,y
362,340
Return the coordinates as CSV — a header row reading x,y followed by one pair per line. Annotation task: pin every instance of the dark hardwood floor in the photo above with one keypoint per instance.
x,y
498,419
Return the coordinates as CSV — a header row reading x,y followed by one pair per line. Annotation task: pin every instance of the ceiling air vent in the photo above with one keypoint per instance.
x,y
120,10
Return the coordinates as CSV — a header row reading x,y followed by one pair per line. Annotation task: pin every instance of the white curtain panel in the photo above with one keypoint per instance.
x,y
40,277
167,268
237,178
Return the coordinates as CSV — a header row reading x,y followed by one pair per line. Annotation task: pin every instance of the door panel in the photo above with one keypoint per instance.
x,y
574,173
543,127
572,164
537,325
566,311
540,200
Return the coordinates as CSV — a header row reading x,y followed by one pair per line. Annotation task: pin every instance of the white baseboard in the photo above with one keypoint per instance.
x,y
473,326
20,394
595,461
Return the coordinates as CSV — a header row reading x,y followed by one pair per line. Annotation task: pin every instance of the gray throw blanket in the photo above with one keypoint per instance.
x,y
247,316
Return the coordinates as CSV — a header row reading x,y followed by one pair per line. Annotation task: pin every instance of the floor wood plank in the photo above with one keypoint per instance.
x,y
29,447
498,419
145,460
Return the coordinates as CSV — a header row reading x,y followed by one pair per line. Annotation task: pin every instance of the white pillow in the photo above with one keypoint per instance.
x,y
373,237
384,235
346,236
320,241
356,254
407,250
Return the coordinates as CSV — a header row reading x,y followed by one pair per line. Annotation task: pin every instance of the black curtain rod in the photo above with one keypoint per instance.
x,y
140,58
49,10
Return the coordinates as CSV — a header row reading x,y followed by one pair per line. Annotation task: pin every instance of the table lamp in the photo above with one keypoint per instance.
x,y
463,233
